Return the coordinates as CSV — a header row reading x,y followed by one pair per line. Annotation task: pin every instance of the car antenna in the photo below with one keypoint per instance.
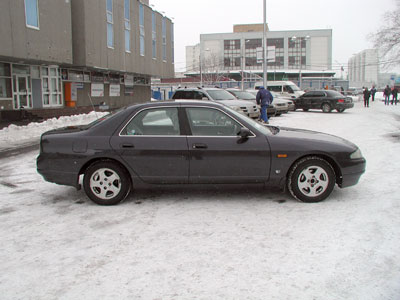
x,y
90,98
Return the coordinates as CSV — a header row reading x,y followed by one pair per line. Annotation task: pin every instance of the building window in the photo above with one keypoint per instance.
x,y
5,81
51,86
154,35
297,53
164,39
172,43
232,55
110,22
127,22
32,13
141,29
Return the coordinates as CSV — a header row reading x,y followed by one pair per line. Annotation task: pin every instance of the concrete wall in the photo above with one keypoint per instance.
x,y
50,43
141,94
90,39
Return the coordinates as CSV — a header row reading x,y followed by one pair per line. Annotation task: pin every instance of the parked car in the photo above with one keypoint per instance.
x,y
194,142
245,95
247,108
327,100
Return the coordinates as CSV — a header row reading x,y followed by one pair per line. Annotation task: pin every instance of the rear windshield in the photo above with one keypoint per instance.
x,y
220,95
244,95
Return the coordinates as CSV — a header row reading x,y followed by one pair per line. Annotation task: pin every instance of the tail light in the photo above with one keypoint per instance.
x,y
341,100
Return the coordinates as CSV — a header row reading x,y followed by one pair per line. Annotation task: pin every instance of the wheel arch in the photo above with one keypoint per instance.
x,y
105,159
332,162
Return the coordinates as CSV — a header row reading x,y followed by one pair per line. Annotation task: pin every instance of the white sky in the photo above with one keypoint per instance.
x,y
350,20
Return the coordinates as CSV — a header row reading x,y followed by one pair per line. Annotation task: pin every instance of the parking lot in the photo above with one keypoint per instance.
x,y
207,242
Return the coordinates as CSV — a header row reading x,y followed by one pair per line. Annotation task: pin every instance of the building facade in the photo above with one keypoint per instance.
x,y
57,53
291,54
364,68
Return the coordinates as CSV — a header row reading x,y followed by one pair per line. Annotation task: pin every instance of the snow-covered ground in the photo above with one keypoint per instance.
x,y
209,243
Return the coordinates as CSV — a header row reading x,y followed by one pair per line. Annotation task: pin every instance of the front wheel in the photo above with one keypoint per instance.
x,y
106,183
305,109
326,108
311,179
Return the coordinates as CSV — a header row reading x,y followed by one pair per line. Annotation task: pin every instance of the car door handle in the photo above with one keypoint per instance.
x,y
199,146
127,146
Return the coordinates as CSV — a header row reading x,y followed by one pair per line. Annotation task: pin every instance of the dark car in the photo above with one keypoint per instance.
x,y
194,142
327,100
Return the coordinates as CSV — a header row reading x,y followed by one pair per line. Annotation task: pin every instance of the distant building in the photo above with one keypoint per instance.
x,y
292,55
72,53
363,68
193,58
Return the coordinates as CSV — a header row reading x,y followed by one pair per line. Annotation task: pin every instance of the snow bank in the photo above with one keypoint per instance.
x,y
16,136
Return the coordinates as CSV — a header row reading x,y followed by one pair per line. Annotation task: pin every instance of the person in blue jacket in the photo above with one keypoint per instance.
x,y
264,98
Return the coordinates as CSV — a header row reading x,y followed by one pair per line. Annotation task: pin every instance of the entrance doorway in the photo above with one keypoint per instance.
x,y
22,91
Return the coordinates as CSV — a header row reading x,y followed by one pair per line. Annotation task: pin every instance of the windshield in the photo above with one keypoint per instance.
x,y
294,87
102,118
220,95
244,95
267,130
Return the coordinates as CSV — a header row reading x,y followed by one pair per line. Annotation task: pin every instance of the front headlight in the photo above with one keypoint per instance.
x,y
236,108
356,154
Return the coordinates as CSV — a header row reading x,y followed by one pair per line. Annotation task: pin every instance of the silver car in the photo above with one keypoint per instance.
x,y
221,96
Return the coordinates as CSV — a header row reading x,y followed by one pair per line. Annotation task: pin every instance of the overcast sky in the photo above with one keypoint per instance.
x,y
350,20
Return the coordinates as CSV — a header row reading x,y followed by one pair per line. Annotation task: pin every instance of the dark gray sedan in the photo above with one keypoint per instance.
x,y
194,142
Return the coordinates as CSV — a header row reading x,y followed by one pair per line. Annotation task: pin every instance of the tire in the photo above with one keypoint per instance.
x,y
311,179
106,183
326,108
340,110
305,109
277,114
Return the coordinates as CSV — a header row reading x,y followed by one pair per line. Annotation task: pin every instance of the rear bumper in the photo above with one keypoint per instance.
x,y
345,105
45,167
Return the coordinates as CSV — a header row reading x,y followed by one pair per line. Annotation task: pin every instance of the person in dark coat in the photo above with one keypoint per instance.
x,y
367,94
264,98
387,93
394,94
373,92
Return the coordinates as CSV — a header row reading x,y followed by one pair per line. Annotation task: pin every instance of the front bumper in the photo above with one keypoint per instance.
x,y
352,172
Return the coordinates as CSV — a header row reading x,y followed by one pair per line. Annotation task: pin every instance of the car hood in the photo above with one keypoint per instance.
x,y
237,102
305,138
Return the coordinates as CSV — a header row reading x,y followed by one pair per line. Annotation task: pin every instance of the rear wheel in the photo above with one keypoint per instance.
x,y
106,183
311,179
305,109
326,108
340,110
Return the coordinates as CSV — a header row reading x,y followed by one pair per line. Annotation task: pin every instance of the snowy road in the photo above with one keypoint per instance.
x,y
214,244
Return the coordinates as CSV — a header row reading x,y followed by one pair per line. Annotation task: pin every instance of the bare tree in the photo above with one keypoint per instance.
x,y
387,38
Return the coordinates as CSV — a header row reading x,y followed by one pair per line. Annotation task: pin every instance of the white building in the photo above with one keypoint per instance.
x,y
193,58
292,54
364,68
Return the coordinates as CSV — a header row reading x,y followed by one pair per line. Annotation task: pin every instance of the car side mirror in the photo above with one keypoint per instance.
x,y
244,133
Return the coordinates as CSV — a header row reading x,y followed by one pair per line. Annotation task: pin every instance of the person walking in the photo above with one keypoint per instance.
x,y
373,92
394,94
264,98
386,93
366,97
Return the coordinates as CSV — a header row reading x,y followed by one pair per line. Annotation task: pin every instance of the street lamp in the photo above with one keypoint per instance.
x,y
201,66
242,56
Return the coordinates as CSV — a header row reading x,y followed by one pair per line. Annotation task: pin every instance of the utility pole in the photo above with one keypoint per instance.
x,y
265,59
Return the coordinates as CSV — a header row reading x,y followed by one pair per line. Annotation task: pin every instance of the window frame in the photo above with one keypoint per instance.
x,y
37,16
110,25
127,25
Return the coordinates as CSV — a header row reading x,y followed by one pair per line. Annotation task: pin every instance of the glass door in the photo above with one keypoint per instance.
x,y
22,91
